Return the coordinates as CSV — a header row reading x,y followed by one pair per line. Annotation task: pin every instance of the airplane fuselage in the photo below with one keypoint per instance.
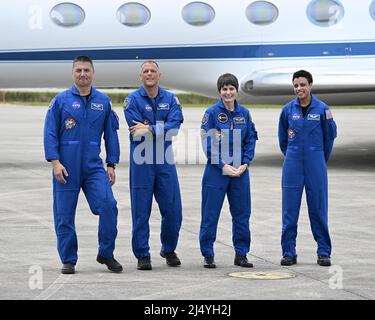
x,y
37,52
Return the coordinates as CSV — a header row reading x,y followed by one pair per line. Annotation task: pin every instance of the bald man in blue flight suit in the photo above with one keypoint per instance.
x,y
306,135
228,139
74,124
154,115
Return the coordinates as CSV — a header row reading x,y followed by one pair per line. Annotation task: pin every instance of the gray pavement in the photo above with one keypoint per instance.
x,y
30,267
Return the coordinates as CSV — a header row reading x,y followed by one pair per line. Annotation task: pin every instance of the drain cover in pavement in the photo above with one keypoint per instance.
x,y
263,275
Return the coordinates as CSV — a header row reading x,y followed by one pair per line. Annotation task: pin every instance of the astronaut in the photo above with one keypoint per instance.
x,y
228,140
306,135
74,125
154,116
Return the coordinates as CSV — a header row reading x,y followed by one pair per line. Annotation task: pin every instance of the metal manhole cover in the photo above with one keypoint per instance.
x,y
263,275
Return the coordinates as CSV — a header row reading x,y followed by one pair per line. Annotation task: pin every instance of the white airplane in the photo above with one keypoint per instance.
x,y
261,42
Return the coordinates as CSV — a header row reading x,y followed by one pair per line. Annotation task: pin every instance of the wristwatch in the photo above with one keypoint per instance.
x,y
112,165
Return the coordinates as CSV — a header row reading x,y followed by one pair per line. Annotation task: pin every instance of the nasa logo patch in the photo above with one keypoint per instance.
x,y
222,117
148,108
296,116
70,123
76,105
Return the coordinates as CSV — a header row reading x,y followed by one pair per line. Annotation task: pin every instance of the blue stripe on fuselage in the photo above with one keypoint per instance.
x,y
199,52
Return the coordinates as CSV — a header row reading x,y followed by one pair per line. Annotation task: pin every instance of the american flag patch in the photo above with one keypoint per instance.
x,y
329,114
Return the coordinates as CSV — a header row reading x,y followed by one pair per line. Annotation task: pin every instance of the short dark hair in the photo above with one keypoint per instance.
x,y
150,61
227,79
83,59
303,74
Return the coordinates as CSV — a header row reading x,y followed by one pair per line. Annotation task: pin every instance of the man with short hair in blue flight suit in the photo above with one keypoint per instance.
x,y
228,139
306,135
75,122
154,115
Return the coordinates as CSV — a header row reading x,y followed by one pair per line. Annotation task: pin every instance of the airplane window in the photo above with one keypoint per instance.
x,y
198,13
325,13
67,14
133,14
262,12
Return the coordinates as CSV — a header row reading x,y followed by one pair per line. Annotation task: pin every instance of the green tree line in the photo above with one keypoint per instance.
x,y
117,98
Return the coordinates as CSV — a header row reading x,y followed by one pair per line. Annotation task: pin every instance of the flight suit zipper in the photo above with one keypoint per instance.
x,y
231,120
85,133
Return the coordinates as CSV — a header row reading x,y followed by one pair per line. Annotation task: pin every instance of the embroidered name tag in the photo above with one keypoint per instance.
x,y
239,120
96,106
313,117
163,106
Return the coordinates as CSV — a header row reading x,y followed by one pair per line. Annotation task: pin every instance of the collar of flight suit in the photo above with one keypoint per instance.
x,y
221,105
143,92
314,101
76,92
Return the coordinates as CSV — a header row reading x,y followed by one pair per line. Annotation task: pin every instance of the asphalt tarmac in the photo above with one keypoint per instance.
x,y
30,266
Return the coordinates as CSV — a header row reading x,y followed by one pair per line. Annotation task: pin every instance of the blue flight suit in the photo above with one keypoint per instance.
x,y
218,137
157,174
73,129
307,142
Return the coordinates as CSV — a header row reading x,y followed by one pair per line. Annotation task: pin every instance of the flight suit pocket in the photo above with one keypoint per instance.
x,y
70,159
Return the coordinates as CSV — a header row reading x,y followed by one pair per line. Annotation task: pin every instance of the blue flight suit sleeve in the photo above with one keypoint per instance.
x,y
174,120
131,112
249,141
283,130
210,144
51,131
112,145
329,133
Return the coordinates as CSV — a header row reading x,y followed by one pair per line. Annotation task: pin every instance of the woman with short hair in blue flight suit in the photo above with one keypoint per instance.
x,y
306,135
228,139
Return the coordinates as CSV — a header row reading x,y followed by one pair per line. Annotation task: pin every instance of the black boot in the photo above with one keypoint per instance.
x,y
144,263
288,261
209,262
324,261
68,268
112,264
171,258
242,261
